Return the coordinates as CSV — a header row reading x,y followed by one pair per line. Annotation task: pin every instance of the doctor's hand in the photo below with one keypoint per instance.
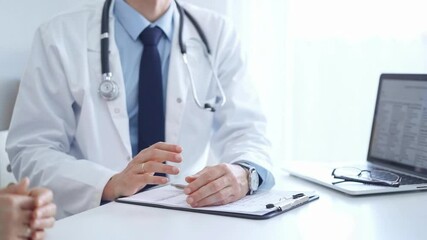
x,y
139,172
217,185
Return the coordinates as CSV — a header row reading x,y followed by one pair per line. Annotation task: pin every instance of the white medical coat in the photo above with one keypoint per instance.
x,y
64,136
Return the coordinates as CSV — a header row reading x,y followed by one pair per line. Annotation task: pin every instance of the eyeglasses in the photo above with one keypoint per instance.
x,y
376,177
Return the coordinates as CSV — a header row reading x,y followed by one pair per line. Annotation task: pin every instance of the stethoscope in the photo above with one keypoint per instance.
x,y
108,88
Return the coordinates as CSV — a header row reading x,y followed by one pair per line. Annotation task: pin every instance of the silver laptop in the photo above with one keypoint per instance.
x,y
398,142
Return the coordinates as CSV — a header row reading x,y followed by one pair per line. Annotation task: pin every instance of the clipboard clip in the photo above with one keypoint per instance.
x,y
296,200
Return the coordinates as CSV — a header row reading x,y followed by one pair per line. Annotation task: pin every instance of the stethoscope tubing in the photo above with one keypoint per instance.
x,y
108,88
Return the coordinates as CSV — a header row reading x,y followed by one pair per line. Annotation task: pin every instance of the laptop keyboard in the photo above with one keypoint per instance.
x,y
409,180
406,179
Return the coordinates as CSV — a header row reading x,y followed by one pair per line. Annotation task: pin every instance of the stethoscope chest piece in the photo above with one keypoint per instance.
x,y
108,89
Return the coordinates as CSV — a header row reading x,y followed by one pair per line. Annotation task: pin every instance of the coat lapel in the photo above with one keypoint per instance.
x,y
116,108
178,84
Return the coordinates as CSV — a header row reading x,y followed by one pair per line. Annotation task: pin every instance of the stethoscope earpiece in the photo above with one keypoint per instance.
x,y
209,107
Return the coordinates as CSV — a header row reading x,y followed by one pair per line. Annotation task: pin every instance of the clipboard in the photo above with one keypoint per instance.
x,y
250,207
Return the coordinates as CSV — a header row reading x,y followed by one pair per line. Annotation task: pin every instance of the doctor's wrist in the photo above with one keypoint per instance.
x,y
242,178
109,193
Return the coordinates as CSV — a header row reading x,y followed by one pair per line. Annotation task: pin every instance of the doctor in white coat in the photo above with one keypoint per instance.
x,y
66,137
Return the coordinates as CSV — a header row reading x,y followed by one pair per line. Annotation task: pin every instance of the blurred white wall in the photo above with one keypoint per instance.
x,y
317,66
18,21
20,18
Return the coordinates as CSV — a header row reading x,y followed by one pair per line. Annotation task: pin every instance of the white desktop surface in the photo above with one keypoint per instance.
x,y
333,216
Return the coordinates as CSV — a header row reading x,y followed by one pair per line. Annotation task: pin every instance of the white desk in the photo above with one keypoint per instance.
x,y
333,216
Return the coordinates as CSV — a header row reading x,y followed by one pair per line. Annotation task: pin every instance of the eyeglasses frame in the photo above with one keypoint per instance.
x,y
380,182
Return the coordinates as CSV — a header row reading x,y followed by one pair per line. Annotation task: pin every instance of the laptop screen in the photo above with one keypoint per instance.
x,y
399,131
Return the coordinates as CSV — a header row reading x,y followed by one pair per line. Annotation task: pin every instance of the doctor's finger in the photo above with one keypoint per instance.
x,y
210,189
166,147
219,198
158,155
206,177
151,167
191,178
150,179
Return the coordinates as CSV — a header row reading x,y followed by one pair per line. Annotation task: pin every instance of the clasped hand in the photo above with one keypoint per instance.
x,y
25,213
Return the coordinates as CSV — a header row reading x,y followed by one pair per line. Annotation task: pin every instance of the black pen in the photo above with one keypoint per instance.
x,y
179,186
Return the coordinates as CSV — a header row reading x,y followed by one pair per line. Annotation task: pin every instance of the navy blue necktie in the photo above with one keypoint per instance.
x,y
151,117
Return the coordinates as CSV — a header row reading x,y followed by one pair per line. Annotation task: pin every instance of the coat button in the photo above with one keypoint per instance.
x,y
117,110
179,100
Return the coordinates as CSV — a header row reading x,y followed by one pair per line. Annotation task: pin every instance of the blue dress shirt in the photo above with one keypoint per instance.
x,y
129,25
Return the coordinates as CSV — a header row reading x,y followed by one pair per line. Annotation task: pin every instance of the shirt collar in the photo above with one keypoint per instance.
x,y
134,23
